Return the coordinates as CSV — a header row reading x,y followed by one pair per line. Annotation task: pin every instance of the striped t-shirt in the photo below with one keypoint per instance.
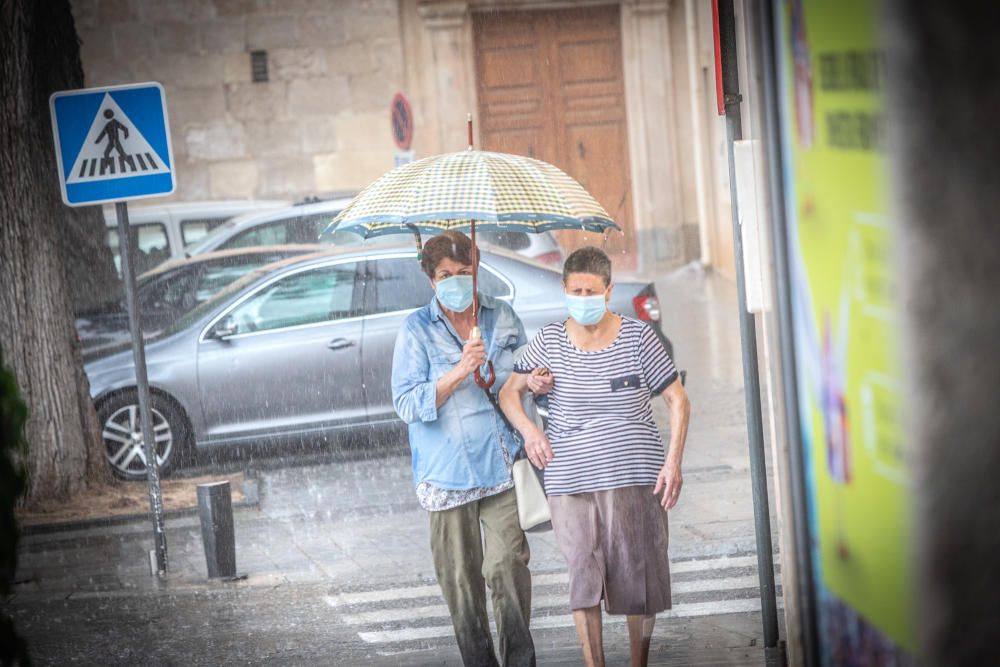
x,y
601,423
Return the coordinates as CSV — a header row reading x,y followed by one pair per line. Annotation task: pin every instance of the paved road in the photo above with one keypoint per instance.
x,y
338,567
339,570
294,625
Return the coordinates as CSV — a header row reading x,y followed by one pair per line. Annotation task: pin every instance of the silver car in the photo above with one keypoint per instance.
x,y
301,350
171,290
306,222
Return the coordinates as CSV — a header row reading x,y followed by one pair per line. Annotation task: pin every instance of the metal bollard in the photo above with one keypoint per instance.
x,y
215,507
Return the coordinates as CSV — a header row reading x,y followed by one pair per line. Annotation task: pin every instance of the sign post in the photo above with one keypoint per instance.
x,y
113,144
729,104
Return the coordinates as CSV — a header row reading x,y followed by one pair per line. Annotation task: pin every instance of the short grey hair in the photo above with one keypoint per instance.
x,y
589,259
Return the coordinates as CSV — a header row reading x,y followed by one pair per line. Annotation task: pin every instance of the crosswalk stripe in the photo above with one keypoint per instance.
x,y
566,620
538,602
409,593
107,164
716,563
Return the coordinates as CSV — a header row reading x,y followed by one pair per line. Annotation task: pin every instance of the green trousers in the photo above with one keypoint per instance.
x,y
464,568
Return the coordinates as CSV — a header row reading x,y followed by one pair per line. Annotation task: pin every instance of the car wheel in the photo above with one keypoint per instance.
x,y
121,432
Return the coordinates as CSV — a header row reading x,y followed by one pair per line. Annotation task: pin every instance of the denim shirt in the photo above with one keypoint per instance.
x,y
456,446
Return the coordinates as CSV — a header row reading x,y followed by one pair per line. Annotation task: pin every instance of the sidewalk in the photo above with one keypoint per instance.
x,y
338,563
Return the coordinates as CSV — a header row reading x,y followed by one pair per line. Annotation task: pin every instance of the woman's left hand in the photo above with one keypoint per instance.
x,y
669,481
537,446
541,381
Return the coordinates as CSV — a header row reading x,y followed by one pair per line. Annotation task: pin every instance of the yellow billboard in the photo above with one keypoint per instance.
x,y
844,312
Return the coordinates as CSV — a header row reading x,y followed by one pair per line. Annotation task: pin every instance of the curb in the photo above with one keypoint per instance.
x,y
251,499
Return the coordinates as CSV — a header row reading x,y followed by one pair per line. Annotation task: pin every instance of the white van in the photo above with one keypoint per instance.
x,y
162,231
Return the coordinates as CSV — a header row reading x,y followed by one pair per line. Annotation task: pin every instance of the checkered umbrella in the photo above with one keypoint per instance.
x,y
496,191
470,189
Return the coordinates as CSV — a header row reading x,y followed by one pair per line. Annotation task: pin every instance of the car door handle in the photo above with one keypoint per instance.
x,y
339,343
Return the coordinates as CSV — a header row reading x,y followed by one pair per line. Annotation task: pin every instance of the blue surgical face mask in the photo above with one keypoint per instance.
x,y
455,293
586,310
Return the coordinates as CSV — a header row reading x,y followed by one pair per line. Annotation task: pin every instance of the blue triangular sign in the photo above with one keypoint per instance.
x,y
112,144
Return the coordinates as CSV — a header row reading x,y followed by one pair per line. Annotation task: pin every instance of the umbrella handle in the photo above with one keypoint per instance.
x,y
489,380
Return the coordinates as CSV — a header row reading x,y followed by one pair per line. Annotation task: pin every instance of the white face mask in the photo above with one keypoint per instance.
x,y
455,293
586,310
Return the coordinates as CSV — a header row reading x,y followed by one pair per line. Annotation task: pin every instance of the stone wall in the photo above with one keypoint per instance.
x,y
319,124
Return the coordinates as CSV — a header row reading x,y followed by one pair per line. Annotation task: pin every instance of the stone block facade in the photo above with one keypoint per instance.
x,y
319,124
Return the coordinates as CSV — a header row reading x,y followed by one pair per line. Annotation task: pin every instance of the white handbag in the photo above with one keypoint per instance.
x,y
532,505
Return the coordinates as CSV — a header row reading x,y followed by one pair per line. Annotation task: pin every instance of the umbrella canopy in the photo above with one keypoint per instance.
x,y
497,191
468,190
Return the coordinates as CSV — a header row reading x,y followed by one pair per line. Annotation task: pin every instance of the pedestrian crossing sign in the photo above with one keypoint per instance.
x,y
112,144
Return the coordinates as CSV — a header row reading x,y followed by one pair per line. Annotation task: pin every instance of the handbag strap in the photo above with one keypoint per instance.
x,y
496,406
493,399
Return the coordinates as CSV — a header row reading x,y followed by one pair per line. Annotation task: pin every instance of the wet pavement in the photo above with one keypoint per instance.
x,y
338,568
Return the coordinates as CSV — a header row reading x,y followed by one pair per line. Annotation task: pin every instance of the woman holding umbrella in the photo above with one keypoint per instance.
x,y
463,451
462,448
607,476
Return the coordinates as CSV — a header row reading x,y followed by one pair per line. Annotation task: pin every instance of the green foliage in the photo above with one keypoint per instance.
x,y
13,483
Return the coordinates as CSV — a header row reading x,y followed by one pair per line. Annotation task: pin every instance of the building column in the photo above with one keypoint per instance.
x,y
451,86
656,178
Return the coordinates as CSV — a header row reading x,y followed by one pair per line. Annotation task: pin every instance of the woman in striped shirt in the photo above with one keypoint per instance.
x,y
608,479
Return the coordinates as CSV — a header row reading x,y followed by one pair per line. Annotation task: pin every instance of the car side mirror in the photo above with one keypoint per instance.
x,y
224,328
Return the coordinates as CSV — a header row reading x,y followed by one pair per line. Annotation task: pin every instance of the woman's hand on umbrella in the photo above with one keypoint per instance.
x,y
473,356
541,381
669,481
537,447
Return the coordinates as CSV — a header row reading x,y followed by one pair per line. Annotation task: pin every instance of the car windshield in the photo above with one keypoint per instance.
x,y
350,239
504,239
221,296
208,240
116,301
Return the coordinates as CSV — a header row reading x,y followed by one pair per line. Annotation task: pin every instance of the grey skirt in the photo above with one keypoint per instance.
x,y
615,543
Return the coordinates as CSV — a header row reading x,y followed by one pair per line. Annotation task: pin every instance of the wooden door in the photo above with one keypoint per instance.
x,y
551,87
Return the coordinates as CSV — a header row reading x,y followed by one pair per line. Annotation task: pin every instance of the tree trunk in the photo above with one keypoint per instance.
x,y
40,54
90,266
